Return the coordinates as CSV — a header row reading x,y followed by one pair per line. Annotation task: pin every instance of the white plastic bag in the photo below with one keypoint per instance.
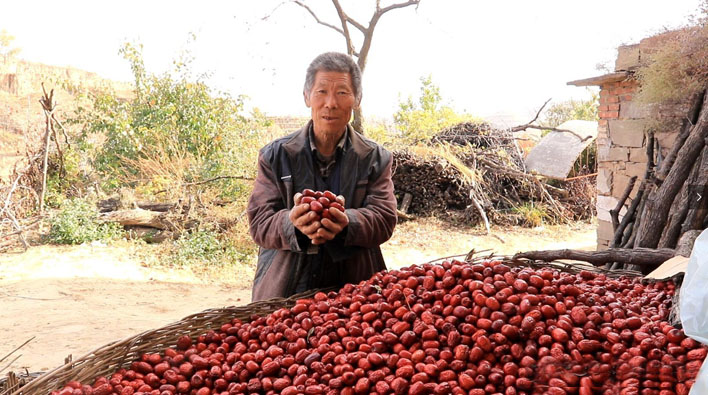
x,y
693,304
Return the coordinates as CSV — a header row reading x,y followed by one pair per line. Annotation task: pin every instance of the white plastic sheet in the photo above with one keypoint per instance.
x,y
693,304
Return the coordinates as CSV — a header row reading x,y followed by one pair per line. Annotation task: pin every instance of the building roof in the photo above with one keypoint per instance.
x,y
602,79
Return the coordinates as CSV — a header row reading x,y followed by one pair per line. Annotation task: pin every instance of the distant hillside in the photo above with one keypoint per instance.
x,y
21,116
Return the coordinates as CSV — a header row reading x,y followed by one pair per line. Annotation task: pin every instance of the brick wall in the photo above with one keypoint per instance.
x,y
621,141
620,133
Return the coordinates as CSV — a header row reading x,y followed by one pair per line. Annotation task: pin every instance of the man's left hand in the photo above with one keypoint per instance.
x,y
331,227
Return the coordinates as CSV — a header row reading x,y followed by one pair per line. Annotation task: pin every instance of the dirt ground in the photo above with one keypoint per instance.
x,y
72,300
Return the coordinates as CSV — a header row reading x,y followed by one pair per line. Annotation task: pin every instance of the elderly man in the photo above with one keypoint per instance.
x,y
297,251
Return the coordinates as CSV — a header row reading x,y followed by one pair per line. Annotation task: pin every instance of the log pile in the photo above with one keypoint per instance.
x,y
477,134
435,185
498,187
671,198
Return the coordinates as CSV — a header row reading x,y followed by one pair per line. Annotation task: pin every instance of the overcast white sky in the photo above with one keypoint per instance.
x,y
488,57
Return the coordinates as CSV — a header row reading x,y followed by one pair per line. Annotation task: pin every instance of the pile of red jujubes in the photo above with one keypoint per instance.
x,y
454,328
320,202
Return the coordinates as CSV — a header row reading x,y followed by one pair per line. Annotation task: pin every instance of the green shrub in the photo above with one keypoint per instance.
x,y
205,247
572,109
76,222
381,132
530,214
423,119
174,127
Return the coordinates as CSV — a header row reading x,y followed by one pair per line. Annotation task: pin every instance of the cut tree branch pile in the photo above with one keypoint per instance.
x,y
499,188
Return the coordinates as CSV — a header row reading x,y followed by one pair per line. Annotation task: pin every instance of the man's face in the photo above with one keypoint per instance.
x,y
331,101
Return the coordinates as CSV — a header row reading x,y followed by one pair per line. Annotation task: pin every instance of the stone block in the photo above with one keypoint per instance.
x,y
638,155
603,152
650,45
603,215
604,181
604,231
607,203
635,169
666,139
627,133
619,184
603,132
634,110
618,154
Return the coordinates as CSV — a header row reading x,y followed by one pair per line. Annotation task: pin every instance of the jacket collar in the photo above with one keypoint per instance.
x,y
299,142
298,151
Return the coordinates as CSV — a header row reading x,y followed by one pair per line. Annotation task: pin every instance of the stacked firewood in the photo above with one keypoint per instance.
x,y
434,184
670,208
478,134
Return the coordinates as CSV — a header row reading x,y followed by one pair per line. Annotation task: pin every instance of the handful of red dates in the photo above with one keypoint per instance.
x,y
321,202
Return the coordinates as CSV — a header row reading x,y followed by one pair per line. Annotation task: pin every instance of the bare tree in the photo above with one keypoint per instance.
x,y
345,22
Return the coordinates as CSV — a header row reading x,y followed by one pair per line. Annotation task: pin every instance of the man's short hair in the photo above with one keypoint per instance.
x,y
337,62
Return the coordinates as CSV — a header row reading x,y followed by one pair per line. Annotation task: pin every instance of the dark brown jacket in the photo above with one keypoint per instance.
x,y
285,166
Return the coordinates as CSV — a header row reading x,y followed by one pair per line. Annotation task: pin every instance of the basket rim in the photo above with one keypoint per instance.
x,y
271,305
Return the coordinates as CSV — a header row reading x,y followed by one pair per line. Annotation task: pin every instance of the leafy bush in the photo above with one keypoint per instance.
x,y
572,109
204,247
381,132
174,128
423,119
76,222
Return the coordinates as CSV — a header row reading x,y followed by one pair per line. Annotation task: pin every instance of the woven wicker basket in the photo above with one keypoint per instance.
x,y
113,356
119,354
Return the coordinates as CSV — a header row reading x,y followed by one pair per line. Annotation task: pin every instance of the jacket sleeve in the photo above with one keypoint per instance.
x,y
373,223
268,217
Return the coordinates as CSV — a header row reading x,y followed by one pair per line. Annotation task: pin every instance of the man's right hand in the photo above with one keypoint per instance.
x,y
303,218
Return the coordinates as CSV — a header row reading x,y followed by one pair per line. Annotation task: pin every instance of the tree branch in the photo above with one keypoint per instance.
x,y
636,256
384,10
218,178
303,5
614,213
356,24
345,29
514,130
529,125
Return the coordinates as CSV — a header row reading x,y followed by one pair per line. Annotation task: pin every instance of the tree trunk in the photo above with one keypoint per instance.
x,y
697,196
137,217
358,122
685,243
634,256
680,206
659,201
691,120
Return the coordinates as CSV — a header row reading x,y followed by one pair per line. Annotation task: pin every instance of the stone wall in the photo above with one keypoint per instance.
x,y
621,141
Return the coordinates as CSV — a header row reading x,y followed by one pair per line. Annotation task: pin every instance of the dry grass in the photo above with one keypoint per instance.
x,y
447,152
